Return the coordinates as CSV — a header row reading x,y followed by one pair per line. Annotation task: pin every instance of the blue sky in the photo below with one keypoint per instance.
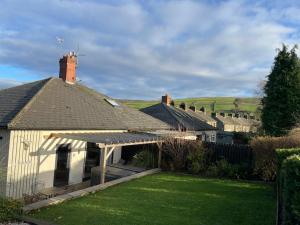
x,y
143,49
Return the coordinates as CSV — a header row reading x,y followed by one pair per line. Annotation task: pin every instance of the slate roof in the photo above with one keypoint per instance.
x,y
201,116
237,121
12,100
177,118
52,104
227,120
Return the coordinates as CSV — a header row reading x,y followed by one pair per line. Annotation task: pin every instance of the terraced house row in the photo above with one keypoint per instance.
x,y
214,127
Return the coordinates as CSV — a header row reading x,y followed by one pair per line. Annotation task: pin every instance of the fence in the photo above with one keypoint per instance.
x,y
233,153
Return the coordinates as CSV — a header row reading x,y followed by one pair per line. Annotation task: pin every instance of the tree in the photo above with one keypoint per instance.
x,y
213,106
237,103
281,102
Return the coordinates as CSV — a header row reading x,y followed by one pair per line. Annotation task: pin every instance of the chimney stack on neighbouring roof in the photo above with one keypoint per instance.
x,y
246,116
223,114
202,109
166,99
230,115
67,68
193,108
182,106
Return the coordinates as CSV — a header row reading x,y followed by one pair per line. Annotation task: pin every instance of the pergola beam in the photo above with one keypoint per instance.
x,y
102,145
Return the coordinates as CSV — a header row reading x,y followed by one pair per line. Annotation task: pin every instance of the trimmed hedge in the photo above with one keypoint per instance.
x,y
290,184
283,154
10,210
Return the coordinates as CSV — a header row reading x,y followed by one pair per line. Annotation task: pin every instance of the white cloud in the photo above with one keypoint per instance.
x,y
141,49
7,83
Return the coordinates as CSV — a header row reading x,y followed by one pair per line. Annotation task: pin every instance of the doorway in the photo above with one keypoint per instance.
x,y
92,159
62,170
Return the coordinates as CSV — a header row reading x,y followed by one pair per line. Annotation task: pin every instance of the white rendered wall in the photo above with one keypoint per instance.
x,y
4,146
32,160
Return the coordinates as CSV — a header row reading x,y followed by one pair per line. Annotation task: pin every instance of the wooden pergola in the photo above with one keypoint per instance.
x,y
107,142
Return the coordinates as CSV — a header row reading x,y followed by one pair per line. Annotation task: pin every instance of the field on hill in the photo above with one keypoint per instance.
x,y
221,103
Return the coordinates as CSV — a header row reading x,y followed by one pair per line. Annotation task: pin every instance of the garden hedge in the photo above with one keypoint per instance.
x,y
264,154
290,190
283,154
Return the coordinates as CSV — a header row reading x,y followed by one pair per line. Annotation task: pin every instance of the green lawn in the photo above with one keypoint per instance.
x,y
170,199
222,103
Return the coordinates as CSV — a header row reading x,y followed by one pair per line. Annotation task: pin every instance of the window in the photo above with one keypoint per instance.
x,y
112,102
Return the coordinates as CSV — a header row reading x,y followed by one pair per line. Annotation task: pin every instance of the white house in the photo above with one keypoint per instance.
x,y
54,131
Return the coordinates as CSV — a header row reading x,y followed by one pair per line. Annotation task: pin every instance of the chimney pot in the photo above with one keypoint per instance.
x,y
193,108
67,68
166,99
202,109
182,106
222,114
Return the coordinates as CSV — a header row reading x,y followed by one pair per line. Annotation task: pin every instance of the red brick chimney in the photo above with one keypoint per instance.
x,y
67,68
166,99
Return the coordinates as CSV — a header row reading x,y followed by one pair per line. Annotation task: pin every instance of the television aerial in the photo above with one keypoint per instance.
x,y
77,54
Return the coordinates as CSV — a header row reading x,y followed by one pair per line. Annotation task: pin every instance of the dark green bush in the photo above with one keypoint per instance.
x,y
224,169
195,158
290,190
10,210
198,158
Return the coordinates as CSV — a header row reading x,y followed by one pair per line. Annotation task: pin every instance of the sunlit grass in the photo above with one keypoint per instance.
x,y
170,199
222,103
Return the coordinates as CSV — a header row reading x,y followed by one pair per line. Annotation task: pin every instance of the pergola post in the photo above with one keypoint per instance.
x,y
103,160
159,158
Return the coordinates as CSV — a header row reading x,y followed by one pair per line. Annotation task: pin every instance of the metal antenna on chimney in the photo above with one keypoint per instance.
x,y
77,55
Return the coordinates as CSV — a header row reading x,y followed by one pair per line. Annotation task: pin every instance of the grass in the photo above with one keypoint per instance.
x,y
170,199
222,103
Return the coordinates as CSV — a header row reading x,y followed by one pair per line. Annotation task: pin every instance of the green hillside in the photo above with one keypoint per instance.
x,y
221,103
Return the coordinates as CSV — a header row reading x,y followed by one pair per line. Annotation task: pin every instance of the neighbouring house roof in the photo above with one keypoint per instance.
x,y
237,121
226,120
177,118
54,104
201,116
